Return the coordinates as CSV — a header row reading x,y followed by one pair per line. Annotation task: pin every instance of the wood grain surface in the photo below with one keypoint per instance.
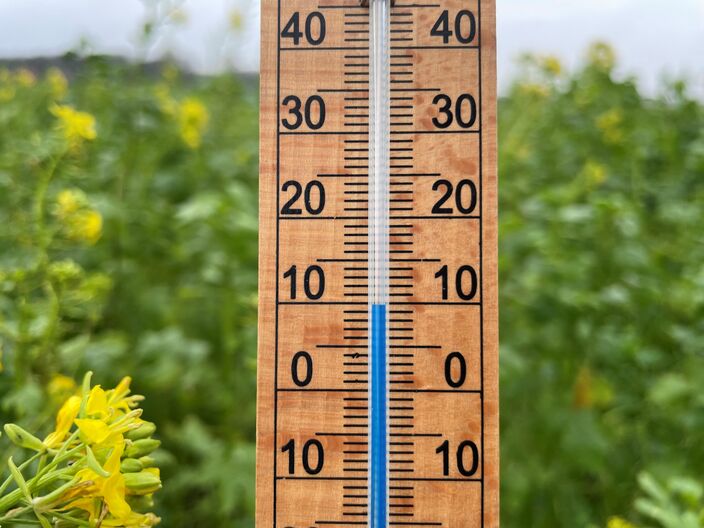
x,y
312,408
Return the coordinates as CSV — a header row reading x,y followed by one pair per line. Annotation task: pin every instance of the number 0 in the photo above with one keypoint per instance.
x,y
308,376
457,382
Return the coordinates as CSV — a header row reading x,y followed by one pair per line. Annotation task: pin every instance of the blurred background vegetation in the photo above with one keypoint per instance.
x,y
128,246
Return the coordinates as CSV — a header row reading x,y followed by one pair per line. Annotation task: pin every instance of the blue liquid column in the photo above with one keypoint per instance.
x,y
379,427
379,167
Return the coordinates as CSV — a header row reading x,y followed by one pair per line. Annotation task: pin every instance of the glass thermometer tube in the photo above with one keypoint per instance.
x,y
379,149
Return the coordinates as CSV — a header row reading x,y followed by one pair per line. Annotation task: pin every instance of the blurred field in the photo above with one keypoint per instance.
x,y
130,248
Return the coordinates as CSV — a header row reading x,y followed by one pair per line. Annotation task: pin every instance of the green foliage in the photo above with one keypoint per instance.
x,y
677,504
602,194
602,304
168,292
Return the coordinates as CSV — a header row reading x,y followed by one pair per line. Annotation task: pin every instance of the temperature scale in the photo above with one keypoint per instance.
x,y
378,333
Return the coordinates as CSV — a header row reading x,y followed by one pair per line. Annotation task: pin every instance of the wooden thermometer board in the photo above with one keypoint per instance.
x,y
313,424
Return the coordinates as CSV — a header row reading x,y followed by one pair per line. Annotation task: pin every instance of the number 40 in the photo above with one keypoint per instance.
x,y
464,31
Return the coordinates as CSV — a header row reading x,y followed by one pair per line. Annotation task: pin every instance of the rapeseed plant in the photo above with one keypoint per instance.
x,y
79,221
190,114
7,88
58,84
192,118
93,470
25,78
76,126
610,123
619,522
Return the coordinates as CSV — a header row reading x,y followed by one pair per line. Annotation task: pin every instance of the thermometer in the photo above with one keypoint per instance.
x,y
378,334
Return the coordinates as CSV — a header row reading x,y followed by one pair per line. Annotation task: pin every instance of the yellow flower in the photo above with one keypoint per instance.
x,y
119,397
111,489
534,90
68,202
236,20
618,522
76,126
94,431
602,56
7,93
25,78
86,226
97,402
179,17
610,125
170,72
167,104
58,84
552,65
593,173
109,415
134,520
98,490
61,387
193,118
122,389
81,222
191,115
64,421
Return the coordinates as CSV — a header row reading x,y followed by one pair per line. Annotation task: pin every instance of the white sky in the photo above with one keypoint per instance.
x,y
652,37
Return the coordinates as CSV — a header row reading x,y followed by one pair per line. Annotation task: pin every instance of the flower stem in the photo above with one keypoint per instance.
x,y
68,518
8,481
13,514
